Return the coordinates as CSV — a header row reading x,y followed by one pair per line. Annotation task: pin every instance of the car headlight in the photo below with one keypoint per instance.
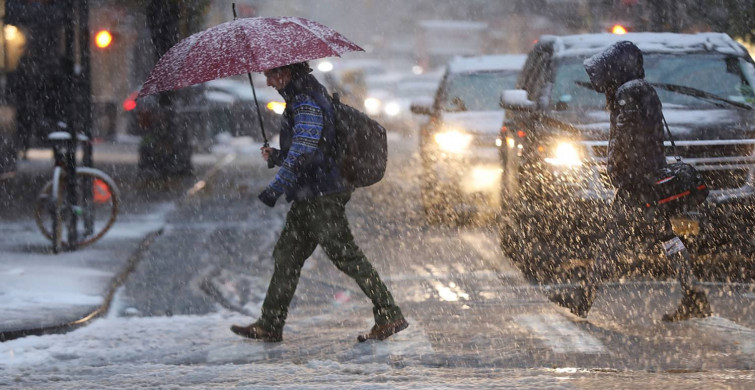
x,y
325,66
453,140
372,105
392,109
564,154
276,107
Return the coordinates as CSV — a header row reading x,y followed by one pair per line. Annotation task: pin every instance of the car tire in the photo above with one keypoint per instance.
x,y
434,205
548,246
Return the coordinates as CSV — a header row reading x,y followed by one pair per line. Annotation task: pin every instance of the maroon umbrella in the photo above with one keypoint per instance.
x,y
242,46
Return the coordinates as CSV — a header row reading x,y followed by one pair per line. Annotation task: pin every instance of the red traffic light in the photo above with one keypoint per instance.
x,y
103,39
130,102
618,29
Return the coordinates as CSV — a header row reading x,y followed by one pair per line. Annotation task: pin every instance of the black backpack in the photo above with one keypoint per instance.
x,y
361,145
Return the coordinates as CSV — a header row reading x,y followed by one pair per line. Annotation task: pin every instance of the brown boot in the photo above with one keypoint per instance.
x,y
254,331
382,332
694,305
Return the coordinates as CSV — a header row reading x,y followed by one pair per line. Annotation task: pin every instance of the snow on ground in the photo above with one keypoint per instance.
x,y
200,352
34,281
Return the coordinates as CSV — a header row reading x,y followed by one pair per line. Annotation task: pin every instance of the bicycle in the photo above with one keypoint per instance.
x,y
88,209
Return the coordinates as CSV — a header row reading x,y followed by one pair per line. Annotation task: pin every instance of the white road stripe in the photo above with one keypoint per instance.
x,y
488,250
561,335
730,332
483,275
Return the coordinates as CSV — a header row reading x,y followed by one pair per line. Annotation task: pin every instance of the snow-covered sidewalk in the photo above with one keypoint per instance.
x,y
43,292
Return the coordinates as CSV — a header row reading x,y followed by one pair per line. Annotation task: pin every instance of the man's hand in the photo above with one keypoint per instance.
x,y
268,197
266,152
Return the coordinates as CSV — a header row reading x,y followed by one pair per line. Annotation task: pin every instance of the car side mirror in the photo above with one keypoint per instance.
x,y
422,106
516,100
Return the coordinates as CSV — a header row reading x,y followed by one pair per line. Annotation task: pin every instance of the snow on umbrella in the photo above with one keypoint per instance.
x,y
242,46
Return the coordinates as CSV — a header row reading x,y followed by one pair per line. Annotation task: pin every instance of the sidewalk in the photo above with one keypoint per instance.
x,y
45,293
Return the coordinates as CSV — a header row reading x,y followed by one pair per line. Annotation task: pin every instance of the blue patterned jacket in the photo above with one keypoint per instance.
x,y
306,170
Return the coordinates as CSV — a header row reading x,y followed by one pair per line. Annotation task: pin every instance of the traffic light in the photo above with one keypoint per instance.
x,y
618,29
103,39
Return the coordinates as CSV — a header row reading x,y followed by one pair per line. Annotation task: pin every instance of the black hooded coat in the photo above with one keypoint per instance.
x,y
635,147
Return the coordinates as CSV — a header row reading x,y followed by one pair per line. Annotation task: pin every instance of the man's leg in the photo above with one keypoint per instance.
x,y
294,246
694,302
338,243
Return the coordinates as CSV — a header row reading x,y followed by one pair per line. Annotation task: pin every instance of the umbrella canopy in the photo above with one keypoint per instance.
x,y
242,46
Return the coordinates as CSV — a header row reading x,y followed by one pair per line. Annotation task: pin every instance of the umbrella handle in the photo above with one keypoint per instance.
x,y
259,114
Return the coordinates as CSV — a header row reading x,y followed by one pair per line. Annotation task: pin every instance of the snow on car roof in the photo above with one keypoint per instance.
x,y
587,44
486,63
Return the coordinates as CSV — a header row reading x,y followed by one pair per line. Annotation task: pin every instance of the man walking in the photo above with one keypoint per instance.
x,y
310,177
635,152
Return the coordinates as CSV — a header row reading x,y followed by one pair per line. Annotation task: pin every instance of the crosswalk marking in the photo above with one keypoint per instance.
x,y
561,335
480,275
730,332
486,248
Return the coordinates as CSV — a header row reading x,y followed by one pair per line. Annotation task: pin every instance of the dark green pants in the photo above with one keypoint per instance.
x,y
322,221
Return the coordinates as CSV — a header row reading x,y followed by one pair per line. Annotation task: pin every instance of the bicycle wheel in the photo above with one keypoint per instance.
x,y
48,211
99,204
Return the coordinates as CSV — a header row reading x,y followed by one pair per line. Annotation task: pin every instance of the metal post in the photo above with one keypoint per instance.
x,y
82,75
85,79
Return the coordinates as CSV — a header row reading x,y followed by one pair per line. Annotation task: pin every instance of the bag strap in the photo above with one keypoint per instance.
x,y
671,138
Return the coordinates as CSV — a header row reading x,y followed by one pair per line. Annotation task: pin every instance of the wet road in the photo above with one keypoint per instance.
x,y
467,304
475,321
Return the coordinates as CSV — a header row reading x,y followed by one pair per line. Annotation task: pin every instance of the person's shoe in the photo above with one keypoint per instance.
x,y
382,332
577,301
694,305
254,331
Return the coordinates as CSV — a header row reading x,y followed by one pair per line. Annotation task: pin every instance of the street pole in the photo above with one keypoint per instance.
x,y
68,113
83,82
84,78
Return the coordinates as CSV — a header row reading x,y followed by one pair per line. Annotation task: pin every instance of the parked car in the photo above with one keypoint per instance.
x,y
210,108
554,141
243,113
389,98
458,149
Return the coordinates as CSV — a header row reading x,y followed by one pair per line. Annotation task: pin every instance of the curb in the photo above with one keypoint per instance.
x,y
120,278
114,284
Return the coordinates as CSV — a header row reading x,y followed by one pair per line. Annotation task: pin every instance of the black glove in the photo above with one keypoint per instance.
x,y
274,156
268,197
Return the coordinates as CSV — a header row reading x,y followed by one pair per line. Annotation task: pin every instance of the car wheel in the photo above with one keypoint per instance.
x,y
548,246
434,203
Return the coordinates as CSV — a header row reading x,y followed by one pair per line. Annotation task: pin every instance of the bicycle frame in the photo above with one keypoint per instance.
x,y
64,154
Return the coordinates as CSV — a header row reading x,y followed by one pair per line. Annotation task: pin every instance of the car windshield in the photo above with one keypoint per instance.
x,y
479,91
727,77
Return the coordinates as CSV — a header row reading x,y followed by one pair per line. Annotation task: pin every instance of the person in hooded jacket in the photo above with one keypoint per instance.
x,y
635,152
310,178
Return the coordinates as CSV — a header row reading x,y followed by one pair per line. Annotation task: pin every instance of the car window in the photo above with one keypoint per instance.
x,y
571,87
477,91
724,76
720,75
